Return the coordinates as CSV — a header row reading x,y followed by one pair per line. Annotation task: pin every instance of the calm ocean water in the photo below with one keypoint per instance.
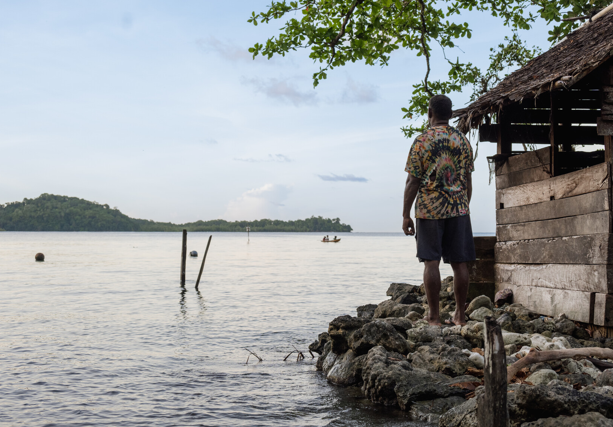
x,y
101,333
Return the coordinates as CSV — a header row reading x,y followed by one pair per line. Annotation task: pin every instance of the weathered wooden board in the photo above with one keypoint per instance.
x,y
481,271
526,176
598,201
484,246
592,249
570,277
552,302
603,310
599,222
531,159
571,184
607,95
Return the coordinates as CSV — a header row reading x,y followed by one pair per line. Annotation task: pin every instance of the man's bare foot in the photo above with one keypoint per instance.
x,y
459,320
434,322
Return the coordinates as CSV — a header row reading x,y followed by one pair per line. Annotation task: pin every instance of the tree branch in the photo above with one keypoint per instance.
x,y
334,42
535,356
424,48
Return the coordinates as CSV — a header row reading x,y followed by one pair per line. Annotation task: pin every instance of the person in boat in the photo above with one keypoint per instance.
x,y
334,238
439,165
325,238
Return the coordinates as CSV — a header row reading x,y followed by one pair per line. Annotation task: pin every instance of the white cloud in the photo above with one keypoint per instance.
x,y
346,177
282,90
279,158
228,50
359,93
258,203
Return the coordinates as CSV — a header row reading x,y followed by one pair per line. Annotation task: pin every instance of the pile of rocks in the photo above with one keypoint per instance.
x,y
435,372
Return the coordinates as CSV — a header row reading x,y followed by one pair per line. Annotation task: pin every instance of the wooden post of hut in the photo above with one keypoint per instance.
x,y
553,124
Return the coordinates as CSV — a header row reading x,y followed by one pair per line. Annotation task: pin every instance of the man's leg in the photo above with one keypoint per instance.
x,y
432,283
460,289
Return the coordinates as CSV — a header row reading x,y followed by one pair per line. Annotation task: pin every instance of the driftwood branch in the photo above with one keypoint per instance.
x,y
424,48
299,355
252,353
535,356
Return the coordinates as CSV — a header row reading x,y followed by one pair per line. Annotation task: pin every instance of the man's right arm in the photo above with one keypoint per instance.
x,y
469,186
410,193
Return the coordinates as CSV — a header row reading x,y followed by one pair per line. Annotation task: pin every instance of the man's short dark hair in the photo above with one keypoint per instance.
x,y
441,107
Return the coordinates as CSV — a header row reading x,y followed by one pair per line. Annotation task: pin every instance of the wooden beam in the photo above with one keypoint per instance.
x,y
552,302
608,149
580,225
569,114
594,249
607,95
597,201
526,176
570,277
571,184
553,127
504,144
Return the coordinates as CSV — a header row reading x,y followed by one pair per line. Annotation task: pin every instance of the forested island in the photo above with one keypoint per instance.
x,y
49,212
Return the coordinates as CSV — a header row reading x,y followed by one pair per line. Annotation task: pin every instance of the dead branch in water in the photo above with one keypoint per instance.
x,y
535,356
251,353
299,356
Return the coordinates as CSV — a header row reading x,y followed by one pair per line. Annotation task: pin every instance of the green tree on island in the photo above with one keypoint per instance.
x,y
340,31
49,212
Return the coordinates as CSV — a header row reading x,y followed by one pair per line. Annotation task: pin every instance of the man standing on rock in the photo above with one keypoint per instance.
x,y
440,164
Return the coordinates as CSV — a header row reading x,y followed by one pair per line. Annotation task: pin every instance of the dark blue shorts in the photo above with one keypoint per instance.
x,y
450,239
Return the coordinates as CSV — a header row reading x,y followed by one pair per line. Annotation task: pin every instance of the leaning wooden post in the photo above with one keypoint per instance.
x,y
183,257
492,410
203,259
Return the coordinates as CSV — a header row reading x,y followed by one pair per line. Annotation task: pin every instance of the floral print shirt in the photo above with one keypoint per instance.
x,y
441,158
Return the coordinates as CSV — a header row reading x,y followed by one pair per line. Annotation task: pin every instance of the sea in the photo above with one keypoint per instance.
x,y
103,334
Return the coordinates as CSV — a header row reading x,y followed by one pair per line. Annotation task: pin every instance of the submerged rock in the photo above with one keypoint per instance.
x,y
463,415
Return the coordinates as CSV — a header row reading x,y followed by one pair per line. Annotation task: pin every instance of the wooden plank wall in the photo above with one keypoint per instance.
x,y
481,271
554,244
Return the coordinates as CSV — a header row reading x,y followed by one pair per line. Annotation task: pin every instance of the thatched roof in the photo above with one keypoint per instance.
x,y
575,57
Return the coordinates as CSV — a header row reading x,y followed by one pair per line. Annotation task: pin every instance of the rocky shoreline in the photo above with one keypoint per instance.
x,y
435,373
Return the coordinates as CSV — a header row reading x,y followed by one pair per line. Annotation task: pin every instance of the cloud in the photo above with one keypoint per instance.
x,y
227,50
359,93
279,158
346,177
258,203
282,90
210,141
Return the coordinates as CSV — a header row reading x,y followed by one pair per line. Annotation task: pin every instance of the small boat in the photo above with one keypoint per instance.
x,y
331,240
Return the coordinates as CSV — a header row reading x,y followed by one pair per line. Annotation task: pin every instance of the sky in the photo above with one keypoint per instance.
x,y
158,109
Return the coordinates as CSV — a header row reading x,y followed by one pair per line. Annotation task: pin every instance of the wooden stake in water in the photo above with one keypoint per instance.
x,y
183,257
203,259
248,230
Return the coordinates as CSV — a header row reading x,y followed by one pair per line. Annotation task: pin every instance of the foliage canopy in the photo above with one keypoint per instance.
x,y
49,212
340,31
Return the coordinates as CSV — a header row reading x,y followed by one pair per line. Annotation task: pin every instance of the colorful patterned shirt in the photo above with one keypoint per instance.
x,y
441,158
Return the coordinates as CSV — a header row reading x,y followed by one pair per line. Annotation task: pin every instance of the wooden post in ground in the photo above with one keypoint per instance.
x,y
183,257
203,259
492,410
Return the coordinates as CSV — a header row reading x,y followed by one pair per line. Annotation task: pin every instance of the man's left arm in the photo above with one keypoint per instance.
x,y
410,193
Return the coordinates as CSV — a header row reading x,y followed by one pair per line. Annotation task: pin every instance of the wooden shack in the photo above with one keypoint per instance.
x,y
554,218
